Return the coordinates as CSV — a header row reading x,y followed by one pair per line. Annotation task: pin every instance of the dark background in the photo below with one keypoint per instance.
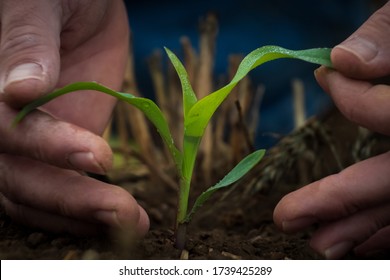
x,y
244,26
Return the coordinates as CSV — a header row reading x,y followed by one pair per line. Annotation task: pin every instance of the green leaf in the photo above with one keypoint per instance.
x,y
200,113
189,97
147,106
243,167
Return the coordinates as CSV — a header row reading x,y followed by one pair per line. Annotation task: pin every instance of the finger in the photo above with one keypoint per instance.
x,y
94,47
366,53
35,218
376,244
41,137
29,49
338,238
361,102
67,194
358,187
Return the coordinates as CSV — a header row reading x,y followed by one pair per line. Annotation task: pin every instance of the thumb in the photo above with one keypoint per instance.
x,y
29,49
366,53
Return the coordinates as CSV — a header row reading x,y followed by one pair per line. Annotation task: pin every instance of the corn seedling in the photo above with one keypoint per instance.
x,y
197,114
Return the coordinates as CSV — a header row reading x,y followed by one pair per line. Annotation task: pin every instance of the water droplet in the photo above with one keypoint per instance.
x,y
146,105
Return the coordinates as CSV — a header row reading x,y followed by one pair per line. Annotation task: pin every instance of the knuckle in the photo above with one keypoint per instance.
x,y
381,17
333,188
22,39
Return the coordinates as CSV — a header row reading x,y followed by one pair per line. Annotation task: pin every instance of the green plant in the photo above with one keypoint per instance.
x,y
197,114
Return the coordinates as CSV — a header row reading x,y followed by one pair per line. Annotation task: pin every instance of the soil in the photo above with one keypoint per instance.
x,y
235,225
227,233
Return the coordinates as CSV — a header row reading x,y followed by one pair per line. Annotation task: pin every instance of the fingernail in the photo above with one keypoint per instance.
x,y
360,47
108,217
321,76
23,72
297,224
85,161
339,250
319,73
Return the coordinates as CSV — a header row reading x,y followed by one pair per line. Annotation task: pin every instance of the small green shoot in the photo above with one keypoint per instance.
x,y
197,114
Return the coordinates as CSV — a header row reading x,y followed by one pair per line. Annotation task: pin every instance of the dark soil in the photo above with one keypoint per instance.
x,y
231,232
236,225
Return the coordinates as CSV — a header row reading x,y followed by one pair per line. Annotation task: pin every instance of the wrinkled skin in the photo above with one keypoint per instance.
x,y
46,44
352,208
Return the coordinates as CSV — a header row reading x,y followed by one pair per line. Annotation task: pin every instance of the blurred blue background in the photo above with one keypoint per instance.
x,y
244,26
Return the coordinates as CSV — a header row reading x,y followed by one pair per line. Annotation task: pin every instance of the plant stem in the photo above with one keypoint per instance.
x,y
181,226
184,193
180,236
190,148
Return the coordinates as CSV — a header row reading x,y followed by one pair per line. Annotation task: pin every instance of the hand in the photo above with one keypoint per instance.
x,y
46,44
352,207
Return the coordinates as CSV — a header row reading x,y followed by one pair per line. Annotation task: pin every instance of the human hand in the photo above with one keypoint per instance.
x,y
46,44
352,207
